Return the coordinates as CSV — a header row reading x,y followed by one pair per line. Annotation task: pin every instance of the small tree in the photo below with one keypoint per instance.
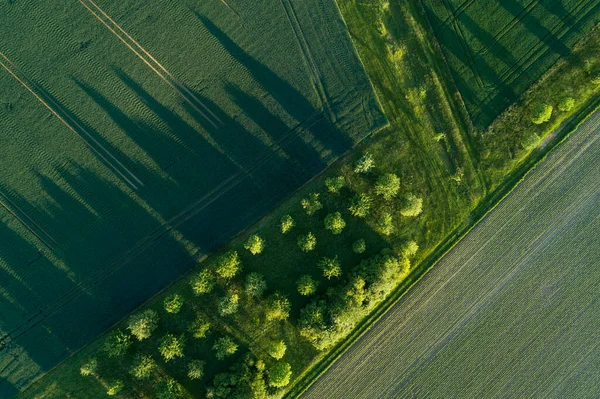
x,y
228,305
409,249
566,104
228,265
335,184
311,204
335,223
413,206
117,343
141,325
89,368
200,327
364,164
387,186
255,244
306,285
360,205
171,347
195,369
142,367
287,222
255,285
169,389
279,374
307,242
330,267
276,349
173,303
114,387
203,282
541,113
385,224
359,246
277,307
224,347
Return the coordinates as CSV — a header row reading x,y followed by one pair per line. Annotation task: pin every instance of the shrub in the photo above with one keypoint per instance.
x,y
277,307
276,349
385,224
364,163
335,223
117,343
409,249
255,285
566,104
413,206
114,387
203,282
279,374
360,205
335,184
200,327
142,367
307,242
287,222
359,246
224,347
330,267
142,325
306,285
89,368
228,305
541,113
255,244
171,347
311,204
195,369
531,141
173,303
228,265
387,186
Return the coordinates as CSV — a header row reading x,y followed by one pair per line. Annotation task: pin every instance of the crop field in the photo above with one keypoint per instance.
x,y
497,49
137,137
511,311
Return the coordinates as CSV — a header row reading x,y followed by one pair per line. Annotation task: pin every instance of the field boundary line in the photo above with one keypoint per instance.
x,y
24,223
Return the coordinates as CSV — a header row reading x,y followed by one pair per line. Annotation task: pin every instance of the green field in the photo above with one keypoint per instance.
x,y
497,49
511,311
137,137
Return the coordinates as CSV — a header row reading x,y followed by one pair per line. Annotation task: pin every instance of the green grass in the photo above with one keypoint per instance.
x,y
496,50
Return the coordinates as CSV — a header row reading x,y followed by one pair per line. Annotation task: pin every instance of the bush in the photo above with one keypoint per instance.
x,y
114,387
541,113
307,242
203,282
255,285
279,374
171,347
228,305
195,369
255,244
287,222
364,164
387,186
531,141
311,204
224,347
117,343
306,285
566,104
335,184
335,223
200,327
173,303
385,224
142,325
359,246
277,307
142,367
330,267
276,349
409,249
228,265
412,206
360,205
89,368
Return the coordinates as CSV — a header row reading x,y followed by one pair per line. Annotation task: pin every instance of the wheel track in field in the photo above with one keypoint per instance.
x,y
80,131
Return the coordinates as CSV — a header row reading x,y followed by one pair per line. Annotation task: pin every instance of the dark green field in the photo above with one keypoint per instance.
x,y
497,49
136,137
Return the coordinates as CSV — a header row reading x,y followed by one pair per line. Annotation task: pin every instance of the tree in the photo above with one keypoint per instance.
x,y
306,285
287,222
413,206
307,242
360,205
359,246
277,307
335,223
117,343
409,249
255,244
203,282
114,387
195,369
330,267
224,347
541,113
364,164
385,224
276,349
255,285
89,368
387,186
228,265
200,327
279,374
142,367
141,325
228,305
311,204
335,184
566,104
171,347
169,389
173,303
